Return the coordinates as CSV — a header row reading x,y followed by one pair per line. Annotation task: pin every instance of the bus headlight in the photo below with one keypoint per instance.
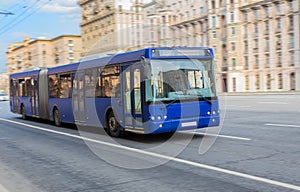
x,y
165,116
152,118
214,112
160,125
158,117
208,112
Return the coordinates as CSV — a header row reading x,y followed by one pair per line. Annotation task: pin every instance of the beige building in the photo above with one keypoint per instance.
x,y
3,83
256,42
109,26
43,53
176,23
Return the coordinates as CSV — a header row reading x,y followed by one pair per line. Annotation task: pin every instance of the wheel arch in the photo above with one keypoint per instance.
x,y
54,107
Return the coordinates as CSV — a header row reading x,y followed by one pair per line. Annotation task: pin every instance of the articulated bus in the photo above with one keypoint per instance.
x,y
152,90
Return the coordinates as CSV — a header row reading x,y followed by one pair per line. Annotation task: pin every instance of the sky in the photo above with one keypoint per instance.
x,y
36,19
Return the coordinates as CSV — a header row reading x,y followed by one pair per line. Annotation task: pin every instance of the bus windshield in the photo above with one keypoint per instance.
x,y
180,79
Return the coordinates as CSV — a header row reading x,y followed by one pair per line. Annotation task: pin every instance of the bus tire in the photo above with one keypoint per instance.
x,y
113,127
56,118
23,112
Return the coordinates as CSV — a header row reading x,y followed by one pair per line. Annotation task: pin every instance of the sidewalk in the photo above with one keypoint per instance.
x,y
259,93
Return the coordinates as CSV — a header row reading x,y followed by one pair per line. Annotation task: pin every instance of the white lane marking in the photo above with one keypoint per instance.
x,y
269,102
282,125
186,162
215,135
3,189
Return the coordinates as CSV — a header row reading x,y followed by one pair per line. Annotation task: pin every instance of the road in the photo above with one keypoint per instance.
x,y
257,150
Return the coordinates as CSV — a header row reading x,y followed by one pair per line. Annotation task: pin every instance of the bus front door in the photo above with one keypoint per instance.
x,y
79,98
132,99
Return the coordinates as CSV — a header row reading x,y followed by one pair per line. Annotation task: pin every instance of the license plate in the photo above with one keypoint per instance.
x,y
189,124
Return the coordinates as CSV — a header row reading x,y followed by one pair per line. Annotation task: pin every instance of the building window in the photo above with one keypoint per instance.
x,y
71,42
234,84
268,81
278,8
214,34
246,47
268,61
71,56
292,57
256,29
213,5
293,81
291,5
202,10
245,16
266,11
267,26
278,43
280,83
256,62
292,43
291,22
247,82
279,64
257,82
267,45
233,46
232,30
256,15
245,31
246,62
232,17
233,62
278,25
214,24
256,46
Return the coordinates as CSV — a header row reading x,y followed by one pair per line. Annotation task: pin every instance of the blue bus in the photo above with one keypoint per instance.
x,y
152,90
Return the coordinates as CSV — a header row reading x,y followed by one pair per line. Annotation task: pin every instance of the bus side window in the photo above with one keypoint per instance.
x,y
65,86
53,86
22,87
110,78
27,87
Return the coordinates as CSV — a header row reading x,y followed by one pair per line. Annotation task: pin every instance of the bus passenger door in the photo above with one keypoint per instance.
x,y
34,96
132,99
14,95
79,98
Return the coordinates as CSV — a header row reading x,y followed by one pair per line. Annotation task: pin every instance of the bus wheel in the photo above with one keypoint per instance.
x,y
113,127
56,118
23,112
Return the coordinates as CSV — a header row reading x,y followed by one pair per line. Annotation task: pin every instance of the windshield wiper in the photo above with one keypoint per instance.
x,y
167,105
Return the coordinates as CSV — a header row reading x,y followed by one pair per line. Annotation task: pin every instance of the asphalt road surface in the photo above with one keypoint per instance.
x,y
257,150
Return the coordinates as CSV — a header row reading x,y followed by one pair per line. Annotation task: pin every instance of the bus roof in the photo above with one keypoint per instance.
x,y
25,74
133,56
